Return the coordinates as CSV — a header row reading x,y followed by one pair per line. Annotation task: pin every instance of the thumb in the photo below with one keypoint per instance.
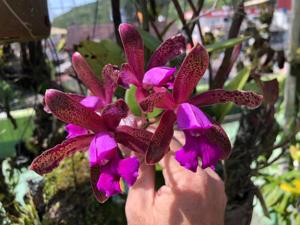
x,y
143,191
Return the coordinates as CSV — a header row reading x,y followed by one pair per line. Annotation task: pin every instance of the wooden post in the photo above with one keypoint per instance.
x,y
25,20
292,85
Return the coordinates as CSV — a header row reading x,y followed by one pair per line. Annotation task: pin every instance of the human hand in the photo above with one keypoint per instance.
x,y
187,198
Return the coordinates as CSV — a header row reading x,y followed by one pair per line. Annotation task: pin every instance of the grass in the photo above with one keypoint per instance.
x,y
9,136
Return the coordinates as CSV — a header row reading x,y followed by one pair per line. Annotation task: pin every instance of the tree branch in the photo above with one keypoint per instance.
x,y
238,18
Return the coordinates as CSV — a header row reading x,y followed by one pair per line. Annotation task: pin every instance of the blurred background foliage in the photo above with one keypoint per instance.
x,y
248,51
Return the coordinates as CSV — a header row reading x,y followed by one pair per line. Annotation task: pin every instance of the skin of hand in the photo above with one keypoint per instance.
x,y
187,198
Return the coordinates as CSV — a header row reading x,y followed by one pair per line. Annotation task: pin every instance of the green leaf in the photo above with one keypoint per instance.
x,y
130,99
150,41
237,83
154,113
283,204
274,197
101,53
226,44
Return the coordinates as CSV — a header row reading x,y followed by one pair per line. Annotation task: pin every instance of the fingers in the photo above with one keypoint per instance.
x,y
177,176
142,192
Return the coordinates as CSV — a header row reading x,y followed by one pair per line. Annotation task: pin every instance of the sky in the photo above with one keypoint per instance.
x,y
58,7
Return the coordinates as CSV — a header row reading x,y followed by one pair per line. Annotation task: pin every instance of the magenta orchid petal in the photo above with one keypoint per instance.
x,y
161,99
158,76
92,102
246,98
191,117
74,130
134,49
70,111
190,72
128,169
109,184
160,141
113,113
169,49
127,76
187,158
51,158
102,149
87,76
198,146
209,152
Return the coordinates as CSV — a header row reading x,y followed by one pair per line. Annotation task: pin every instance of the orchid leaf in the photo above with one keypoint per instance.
x,y
150,41
130,99
226,44
154,113
98,54
237,83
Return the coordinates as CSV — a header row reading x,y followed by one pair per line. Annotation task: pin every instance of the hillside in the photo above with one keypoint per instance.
x,y
84,15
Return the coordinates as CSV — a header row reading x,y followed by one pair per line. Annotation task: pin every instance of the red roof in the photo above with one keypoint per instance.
x,y
284,4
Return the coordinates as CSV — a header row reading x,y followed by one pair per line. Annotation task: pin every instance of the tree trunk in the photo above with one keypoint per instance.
x,y
292,85
258,131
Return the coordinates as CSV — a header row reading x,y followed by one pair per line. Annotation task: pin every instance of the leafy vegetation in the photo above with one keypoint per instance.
x,y
83,15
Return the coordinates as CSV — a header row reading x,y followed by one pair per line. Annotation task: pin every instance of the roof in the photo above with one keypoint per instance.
x,y
78,33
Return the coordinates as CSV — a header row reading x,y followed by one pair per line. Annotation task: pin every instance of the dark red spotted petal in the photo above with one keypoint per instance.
x,y
161,99
161,139
127,76
70,111
113,113
134,49
51,158
76,97
190,72
246,98
110,75
87,76
133,138
169,49
270,91
217,135
94,177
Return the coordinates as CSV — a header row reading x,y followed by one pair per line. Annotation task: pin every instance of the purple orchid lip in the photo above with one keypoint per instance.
x,y
158,76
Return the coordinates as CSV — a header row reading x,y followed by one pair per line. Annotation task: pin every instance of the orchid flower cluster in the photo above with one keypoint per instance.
x,y
106,127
